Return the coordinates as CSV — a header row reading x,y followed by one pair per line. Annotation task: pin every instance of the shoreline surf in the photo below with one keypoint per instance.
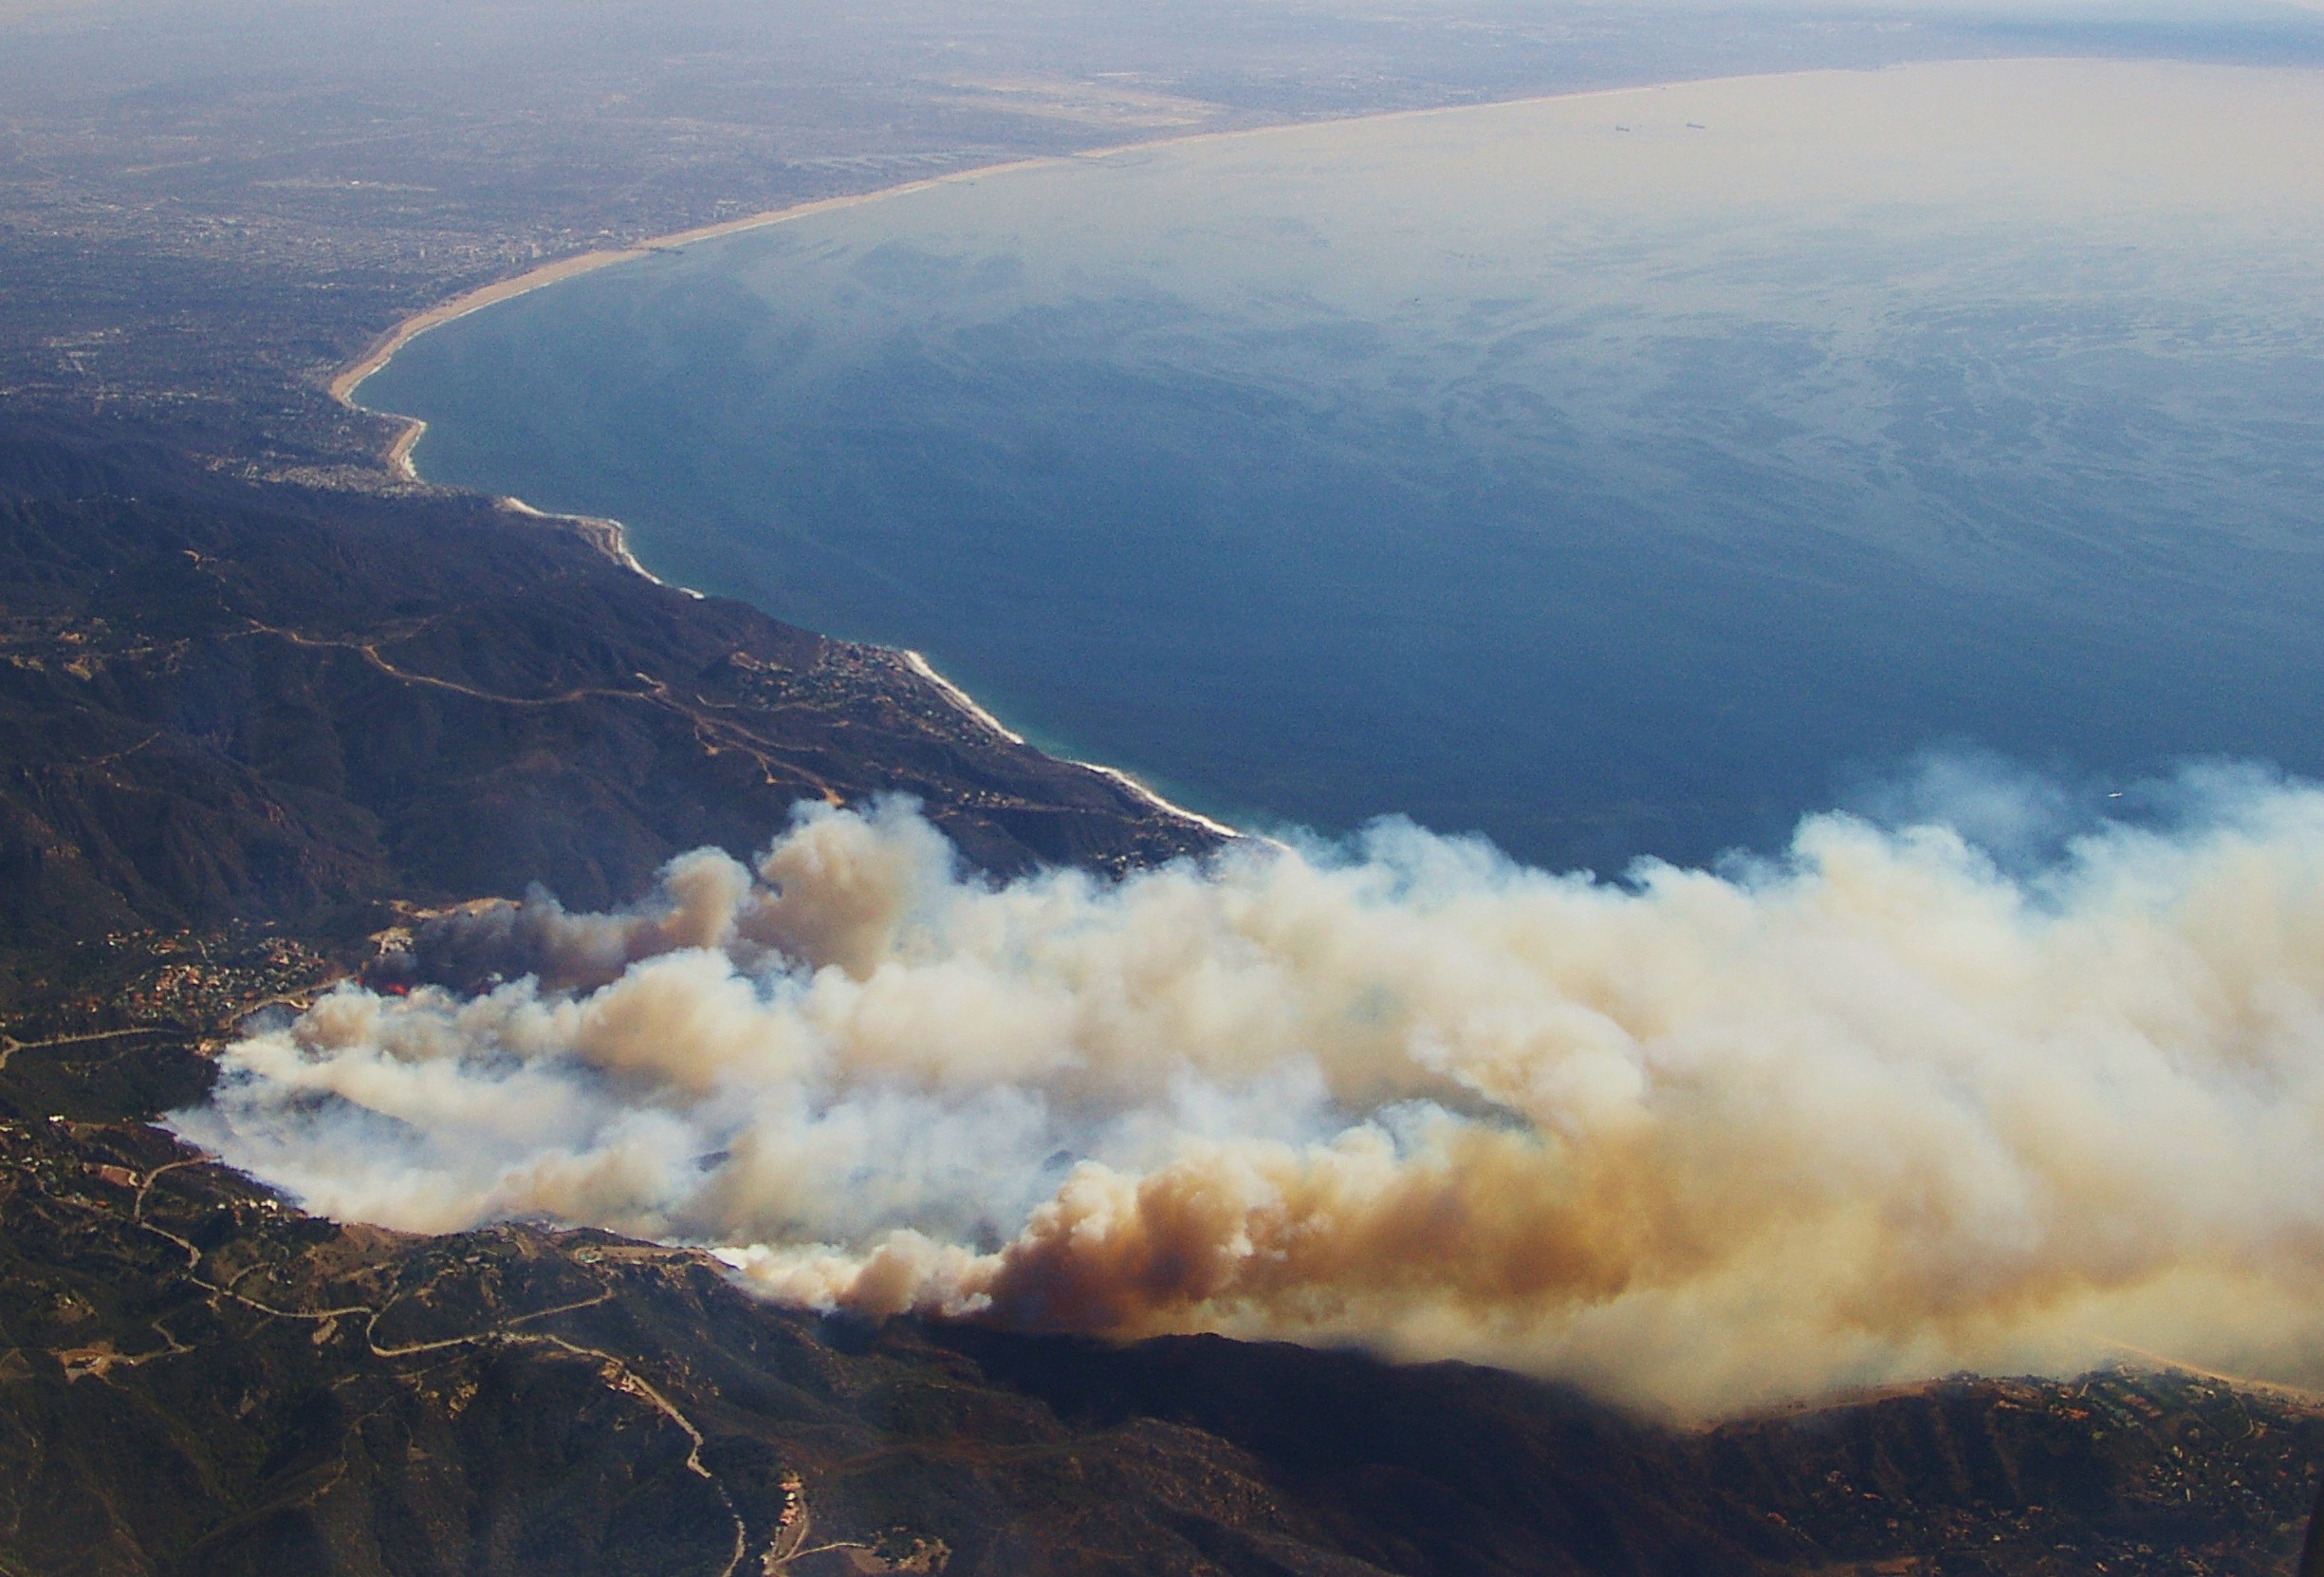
x,y
611,536
351,376
608,535
970,707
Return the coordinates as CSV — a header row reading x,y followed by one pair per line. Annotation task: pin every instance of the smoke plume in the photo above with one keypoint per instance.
x,y
1881,1107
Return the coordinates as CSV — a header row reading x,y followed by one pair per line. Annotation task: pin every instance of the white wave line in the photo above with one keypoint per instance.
x,y
967,704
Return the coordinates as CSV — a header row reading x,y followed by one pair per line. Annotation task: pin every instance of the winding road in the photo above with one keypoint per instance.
x,y
619,1373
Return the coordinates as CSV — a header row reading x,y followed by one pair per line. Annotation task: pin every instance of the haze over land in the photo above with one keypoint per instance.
x,y
1683,1170
2006,1072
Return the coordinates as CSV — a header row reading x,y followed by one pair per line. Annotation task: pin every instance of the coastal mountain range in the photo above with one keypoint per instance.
x,y
201,1379
268,709
239,700
260,730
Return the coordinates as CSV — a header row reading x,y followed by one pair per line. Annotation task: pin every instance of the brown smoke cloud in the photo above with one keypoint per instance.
x,y
1877,1109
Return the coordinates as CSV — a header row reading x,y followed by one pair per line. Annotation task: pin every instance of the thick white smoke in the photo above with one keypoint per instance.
x,y
1873,1110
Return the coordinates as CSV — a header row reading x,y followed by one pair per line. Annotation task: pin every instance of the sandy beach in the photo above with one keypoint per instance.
x,y
969,707
382,350
343,384
609,535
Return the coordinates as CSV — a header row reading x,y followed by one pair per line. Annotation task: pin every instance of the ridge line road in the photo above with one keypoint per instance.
x,y
619,1374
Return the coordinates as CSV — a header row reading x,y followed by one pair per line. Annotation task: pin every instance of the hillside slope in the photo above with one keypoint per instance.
x,y
197,1379
229,700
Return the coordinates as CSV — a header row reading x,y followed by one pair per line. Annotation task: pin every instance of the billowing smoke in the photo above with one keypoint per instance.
x,y
1878,1108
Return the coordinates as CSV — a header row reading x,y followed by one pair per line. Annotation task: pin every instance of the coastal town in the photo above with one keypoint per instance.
x,y
195,985
278,715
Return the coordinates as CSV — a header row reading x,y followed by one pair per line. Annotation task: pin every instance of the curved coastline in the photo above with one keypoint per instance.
x,y
348,379
610,536
381,350
605,534
918,663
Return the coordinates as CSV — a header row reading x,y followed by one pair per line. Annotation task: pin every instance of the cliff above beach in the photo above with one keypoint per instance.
x,y
265,702
243,700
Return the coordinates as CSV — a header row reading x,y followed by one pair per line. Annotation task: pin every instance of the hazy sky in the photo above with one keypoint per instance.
x,y
18,10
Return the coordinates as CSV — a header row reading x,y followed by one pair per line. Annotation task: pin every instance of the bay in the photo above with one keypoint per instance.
x,y
1613,475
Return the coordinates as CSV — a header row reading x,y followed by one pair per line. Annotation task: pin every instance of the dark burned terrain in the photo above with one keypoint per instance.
x,y
260,702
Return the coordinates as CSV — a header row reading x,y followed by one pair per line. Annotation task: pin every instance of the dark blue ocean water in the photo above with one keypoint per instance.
x,y
1613,475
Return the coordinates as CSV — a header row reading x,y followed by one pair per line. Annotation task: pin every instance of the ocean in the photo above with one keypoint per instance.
x,y
1615,475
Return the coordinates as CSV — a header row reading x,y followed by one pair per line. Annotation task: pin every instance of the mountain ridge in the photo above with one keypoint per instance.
x,y
249,699
237,754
